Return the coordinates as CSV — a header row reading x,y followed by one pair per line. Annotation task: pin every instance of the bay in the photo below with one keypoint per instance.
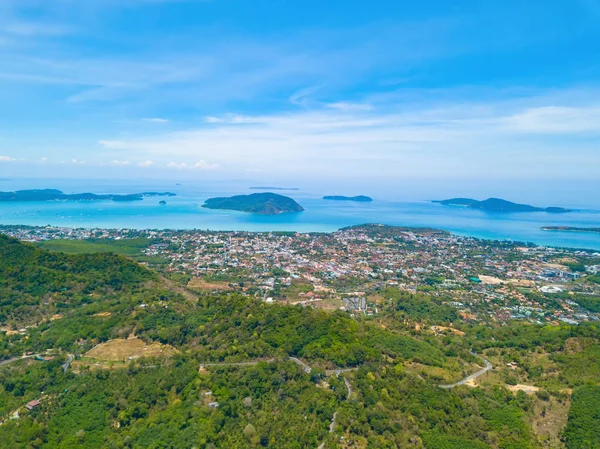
x,y
185,212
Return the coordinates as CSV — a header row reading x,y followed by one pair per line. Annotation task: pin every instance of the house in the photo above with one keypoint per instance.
x,y
32,404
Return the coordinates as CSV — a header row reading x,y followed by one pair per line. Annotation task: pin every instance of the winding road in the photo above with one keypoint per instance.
x,y
488,366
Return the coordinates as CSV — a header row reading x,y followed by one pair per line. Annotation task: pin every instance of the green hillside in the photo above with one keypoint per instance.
x,y
154,365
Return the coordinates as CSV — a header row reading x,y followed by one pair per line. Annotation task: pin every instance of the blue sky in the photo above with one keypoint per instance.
x,y
287,90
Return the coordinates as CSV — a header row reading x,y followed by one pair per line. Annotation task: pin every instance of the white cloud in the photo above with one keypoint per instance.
x,y
116,162
343,106
556,120
391,139
201,165
77,162
7,159
146,164
155,120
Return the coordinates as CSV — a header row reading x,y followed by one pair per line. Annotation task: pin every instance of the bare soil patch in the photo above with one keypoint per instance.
x,y
120,350
529,389
201,284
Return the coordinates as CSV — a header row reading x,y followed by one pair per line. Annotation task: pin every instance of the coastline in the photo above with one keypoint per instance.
x,y
417,230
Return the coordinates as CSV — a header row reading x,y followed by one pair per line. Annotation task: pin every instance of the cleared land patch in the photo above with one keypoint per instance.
x,y
201,284
121,350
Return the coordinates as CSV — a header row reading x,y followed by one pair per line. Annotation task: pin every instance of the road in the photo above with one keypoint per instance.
x,y
305,367
16,359
65,366
334,418
253,362
488,366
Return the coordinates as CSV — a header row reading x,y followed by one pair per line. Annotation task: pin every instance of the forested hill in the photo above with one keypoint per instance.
x,y
35,283
499,205
256,203
119,356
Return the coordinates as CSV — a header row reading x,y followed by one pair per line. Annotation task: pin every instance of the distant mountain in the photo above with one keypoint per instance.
x,y
274,188
256,203
57,195
499,205
569,229
359,198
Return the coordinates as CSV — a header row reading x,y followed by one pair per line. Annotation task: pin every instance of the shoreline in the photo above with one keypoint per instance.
x,y
421,230
570,229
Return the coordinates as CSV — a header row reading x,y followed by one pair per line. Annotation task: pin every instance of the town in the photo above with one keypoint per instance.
x,y
353,269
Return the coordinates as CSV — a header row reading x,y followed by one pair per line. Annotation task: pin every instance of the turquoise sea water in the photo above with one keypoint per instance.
x,y
184,212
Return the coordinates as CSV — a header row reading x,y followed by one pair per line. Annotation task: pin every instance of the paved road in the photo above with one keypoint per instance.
x,y
349,387
65,366
334,419
337,372
16,359
305,367
488,366
254,362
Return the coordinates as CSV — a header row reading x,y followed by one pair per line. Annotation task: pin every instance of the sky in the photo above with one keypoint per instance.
x,y
290,91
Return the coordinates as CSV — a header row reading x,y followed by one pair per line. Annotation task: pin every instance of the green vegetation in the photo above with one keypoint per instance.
x,y
569,229
67,304
57,195
125,247
256,203
583,428
499,205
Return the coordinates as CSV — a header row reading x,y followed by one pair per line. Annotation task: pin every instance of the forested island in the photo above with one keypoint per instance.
x,y
569,229
358,199
58,195
499,205
257,203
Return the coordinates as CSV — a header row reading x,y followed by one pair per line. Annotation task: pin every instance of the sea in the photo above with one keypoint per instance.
x,y
184,211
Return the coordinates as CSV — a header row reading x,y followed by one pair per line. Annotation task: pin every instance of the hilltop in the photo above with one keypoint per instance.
x,y
498,205
256,203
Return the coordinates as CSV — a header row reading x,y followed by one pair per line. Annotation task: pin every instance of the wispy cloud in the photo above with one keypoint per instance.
x,y
457,139
7,159
155,120
201,165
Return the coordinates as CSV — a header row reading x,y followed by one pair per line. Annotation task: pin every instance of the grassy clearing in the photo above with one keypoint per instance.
x,y
201,284
120,350
125,247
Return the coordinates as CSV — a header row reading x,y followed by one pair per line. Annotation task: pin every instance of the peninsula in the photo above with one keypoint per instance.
x,y
57,195
569,229
499,205
358,199
257,203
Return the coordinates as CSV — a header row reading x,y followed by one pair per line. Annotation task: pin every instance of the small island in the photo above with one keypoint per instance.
x,y
162,202
569,229
257,203
358,199
499,205
57,195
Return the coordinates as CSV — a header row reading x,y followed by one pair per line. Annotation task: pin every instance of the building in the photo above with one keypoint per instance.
x,y
32,404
